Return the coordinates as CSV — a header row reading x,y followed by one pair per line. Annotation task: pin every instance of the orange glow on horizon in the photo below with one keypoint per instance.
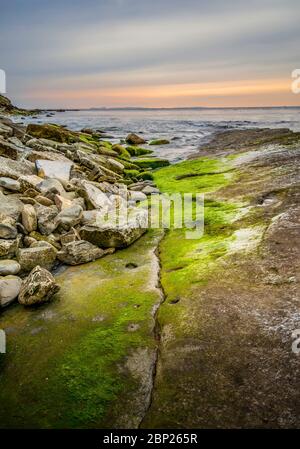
x,y
200,94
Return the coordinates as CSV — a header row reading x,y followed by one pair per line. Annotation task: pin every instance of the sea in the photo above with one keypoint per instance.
x,y
186,129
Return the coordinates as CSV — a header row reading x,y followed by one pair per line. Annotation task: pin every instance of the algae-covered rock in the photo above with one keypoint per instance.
x,y
79,252
52,132
38,288
159,142
151,163
134,139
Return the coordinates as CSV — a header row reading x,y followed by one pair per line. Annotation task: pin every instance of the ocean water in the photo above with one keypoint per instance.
x,y
187,129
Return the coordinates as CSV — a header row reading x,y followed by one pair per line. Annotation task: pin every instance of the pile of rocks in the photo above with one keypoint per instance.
x,y
58,190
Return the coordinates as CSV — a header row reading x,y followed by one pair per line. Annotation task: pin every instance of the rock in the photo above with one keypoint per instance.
x,y
8,248
116,166
46,219
136,196
68,218
40,253
51,187
29,218
110,235
44,201
52,132
5,131
54,241
87,131
134,139
8,229
148,190
15,169
38,143
10,206
79,252
28,241
29,182
39,287
159,142
95,199
62,203
10,287
10,184
53,169
9,267
68,238
151,163
8,150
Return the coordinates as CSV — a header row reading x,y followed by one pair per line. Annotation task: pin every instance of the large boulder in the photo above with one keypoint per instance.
x,y
40,253
134,139
107,234
10,287
8,266
29,218
38,288
79,252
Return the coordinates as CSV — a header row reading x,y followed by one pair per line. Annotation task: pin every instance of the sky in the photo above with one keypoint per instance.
x,y
151,53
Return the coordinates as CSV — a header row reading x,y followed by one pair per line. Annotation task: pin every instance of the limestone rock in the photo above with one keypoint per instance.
x,y
10,287
9,267
54,169
10,184
46,219
79,252
110,235
8,229
29,218
68,218
8,248
39,287
40,253
94,197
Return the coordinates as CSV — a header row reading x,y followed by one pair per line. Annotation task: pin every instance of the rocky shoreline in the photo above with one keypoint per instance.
x,y
56,187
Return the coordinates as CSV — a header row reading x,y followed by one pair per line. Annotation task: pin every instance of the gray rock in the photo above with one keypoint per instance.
x,y
39,287
29,182
94,197
40,253
79,252
15,169
10,287
51,186
10,184
9,267
29,218
5,131
10,206
148,190
109,235
54,169
8,229
68,218
46,219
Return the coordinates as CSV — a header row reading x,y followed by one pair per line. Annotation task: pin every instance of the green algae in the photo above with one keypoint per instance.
x,y
66,361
